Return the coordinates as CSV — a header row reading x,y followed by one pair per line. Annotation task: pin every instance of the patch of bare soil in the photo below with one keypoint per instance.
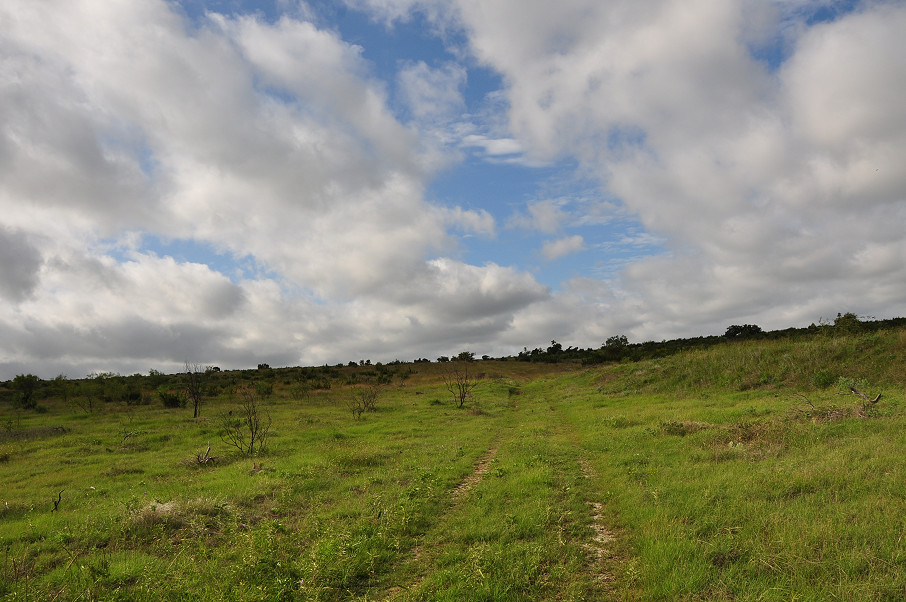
x,y
598,548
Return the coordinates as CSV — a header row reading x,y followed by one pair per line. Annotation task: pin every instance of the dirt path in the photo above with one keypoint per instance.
x,y
457,495
484,464
598,548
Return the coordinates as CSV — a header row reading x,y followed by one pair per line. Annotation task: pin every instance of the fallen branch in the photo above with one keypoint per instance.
x,y
205,458
56,503
807,400
864,396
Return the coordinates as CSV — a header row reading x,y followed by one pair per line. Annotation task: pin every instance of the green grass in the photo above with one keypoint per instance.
x,y
746,471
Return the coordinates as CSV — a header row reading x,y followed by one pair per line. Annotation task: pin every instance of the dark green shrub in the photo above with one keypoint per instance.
x,y
26,385
264,388
171,400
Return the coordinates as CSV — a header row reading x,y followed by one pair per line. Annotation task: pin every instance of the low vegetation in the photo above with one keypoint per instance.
x,y
759,467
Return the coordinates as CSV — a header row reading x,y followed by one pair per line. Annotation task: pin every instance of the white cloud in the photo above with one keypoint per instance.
x,y
555,249
545,216
262,139
745,175
480,222
777,195
266,141
433,94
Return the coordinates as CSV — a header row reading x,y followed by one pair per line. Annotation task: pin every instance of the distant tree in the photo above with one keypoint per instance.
x,y
194,387
64,387
26,385
466,356
555,348
443,358
156,378
737,331
848,322
90,389
114,388
618,341
264,366
132,389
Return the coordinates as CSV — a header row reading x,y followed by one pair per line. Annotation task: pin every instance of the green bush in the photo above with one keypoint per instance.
x,y
26,385
264,388
171,400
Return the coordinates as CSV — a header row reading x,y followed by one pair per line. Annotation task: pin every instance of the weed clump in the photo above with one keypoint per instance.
x,y
180,519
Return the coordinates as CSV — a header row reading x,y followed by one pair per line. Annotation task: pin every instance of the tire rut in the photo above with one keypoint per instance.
x,y
457,495
481,469
599,548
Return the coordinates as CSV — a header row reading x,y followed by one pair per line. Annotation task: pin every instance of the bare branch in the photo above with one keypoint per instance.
x,y
205,458
864,396
807,400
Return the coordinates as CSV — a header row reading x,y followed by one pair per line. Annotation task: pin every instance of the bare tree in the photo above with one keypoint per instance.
x,y
460,381
354,404
246,428
194,389
364,399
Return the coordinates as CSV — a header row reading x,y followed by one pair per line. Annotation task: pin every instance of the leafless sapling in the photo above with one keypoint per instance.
x,y
460,381
247,427
194,387
364,399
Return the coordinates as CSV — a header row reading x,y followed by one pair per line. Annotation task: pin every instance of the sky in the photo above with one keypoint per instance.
x,y
233,182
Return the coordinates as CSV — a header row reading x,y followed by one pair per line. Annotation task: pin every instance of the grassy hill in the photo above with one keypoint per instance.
x,y
741,470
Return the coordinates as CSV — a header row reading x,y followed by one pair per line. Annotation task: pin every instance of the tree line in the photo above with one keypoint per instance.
x,y
198,383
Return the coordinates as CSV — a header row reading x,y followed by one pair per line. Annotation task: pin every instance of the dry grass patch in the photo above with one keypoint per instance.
x,y
181,519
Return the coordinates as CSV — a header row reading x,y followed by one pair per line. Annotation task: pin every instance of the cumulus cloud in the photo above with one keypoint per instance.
x,y
772,182
480,222
757,182
244,134
270,141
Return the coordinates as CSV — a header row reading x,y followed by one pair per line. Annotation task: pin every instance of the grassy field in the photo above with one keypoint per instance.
x,y
745,471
